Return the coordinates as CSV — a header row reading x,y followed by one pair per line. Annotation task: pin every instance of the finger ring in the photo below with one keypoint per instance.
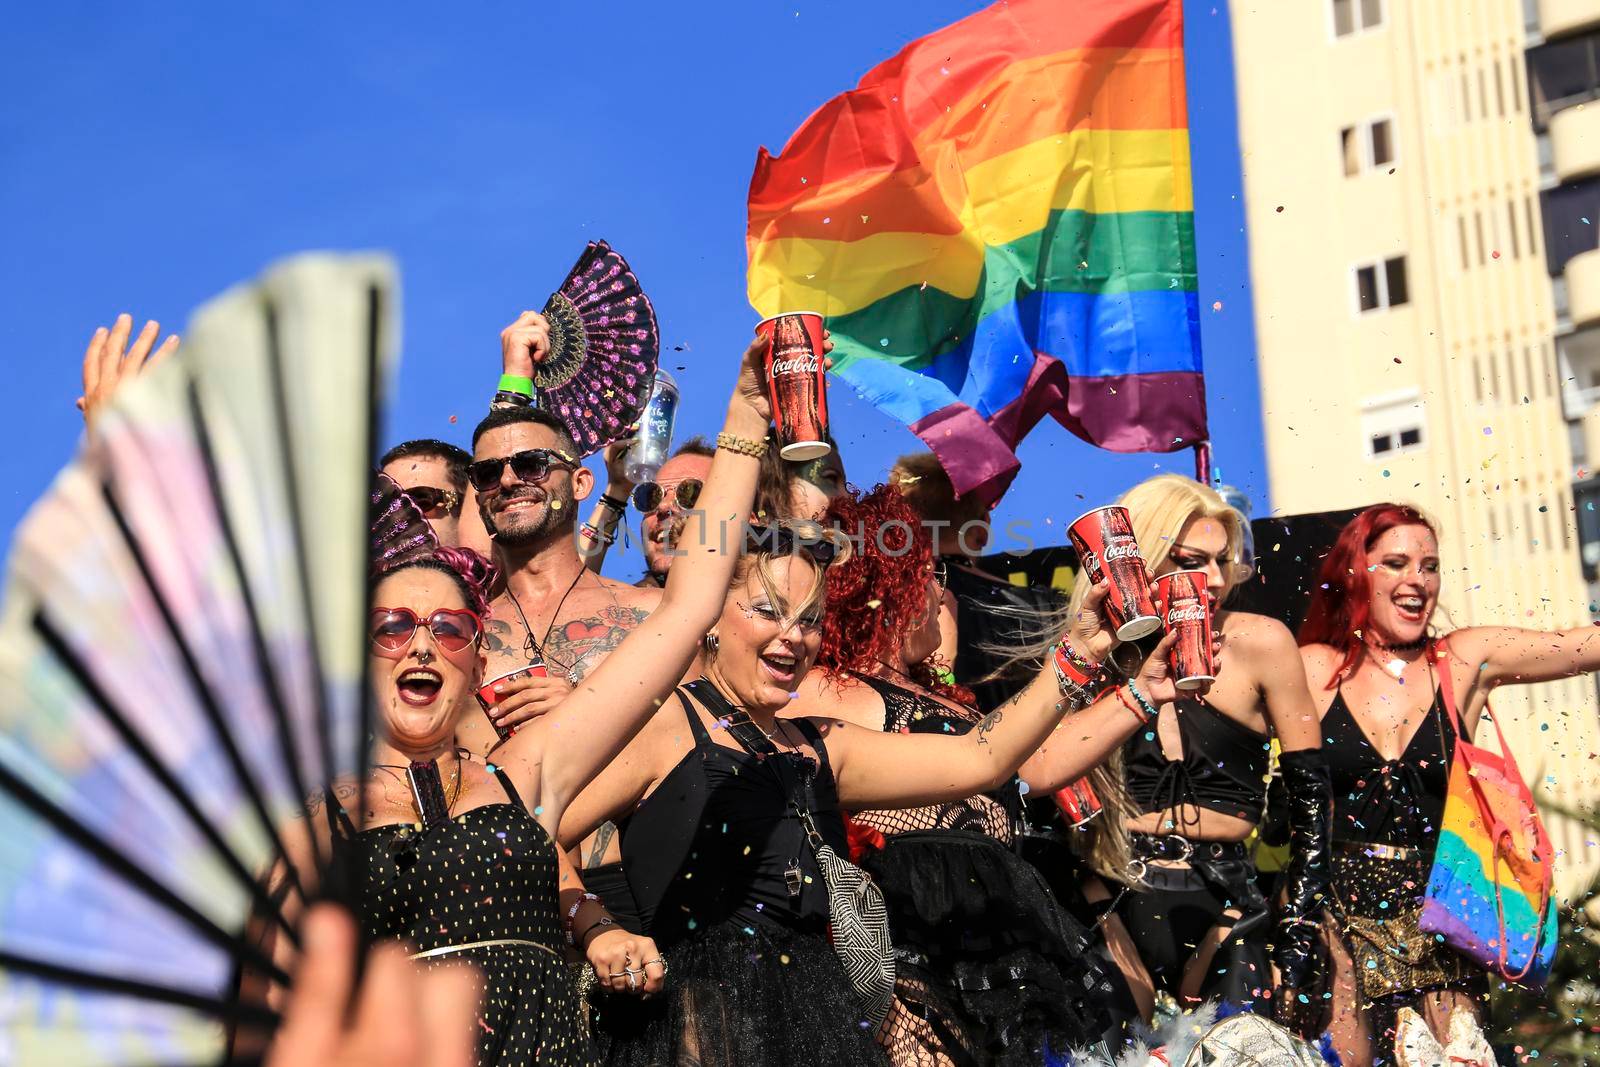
x,y
618,974
658,959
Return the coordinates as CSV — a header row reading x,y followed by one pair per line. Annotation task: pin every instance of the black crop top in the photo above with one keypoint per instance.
x,y
1389,802
713,841
1223,769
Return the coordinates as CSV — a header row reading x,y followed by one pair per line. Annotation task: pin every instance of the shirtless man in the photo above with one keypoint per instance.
x,y
529,482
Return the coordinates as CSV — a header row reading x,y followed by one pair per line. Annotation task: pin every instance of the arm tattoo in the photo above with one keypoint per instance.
x,y
602,840
987,723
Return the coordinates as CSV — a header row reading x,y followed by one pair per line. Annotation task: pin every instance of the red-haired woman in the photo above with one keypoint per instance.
x,y
989,968
1374,662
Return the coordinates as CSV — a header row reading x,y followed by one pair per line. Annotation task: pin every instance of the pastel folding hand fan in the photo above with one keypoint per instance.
x,y
181,668
603,350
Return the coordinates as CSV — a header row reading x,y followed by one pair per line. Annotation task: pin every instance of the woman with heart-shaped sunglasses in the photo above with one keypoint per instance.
x,y
458,857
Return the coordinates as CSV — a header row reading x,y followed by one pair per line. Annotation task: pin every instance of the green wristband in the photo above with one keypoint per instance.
x,y
512,383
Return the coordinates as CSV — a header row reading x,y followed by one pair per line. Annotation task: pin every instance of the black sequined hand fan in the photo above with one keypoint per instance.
x,y
182,663
603,350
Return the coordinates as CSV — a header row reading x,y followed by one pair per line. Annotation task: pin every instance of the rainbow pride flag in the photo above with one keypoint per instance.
x,y
998,224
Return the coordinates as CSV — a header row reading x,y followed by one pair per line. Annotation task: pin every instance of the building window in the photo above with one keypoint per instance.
x,y
1382,138
1381,285
1516,239
1367,146
1516,85
1466,93
1562,73
1352,16
1393,423
1477,225
1477,379
1527,370
1533,229
1394,271
1499,90
1511,372
1461,231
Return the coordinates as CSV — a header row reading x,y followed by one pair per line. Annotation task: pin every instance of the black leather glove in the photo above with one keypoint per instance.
x,y
1310,791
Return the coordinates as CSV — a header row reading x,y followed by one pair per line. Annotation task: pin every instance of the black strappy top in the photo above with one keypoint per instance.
x,y
713,841
1389,802
1223,769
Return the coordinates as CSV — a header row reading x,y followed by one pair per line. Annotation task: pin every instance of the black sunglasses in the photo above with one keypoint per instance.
x,y
430,499
532,466
648,496
783,541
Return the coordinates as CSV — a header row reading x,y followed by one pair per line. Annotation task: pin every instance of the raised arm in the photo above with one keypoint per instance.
x,y
1508,655
608,707
878,770
1086,739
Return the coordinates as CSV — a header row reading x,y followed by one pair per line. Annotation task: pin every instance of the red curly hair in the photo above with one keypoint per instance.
x,y
878,596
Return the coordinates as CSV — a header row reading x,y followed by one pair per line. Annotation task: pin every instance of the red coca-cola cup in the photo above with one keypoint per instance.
x,y
1077,802
488,698
1106,549
1185,605
797,383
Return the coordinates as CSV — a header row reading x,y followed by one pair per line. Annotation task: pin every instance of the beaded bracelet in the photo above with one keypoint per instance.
x,y
572,913
1149,709
1074,665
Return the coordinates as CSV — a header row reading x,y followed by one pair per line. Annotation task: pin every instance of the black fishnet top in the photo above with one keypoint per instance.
x,y
990,814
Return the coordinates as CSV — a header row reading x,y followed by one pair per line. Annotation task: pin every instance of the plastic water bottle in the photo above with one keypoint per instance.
x,y
654,441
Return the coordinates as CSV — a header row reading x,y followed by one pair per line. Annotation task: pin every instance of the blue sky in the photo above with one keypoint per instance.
x,y
151,155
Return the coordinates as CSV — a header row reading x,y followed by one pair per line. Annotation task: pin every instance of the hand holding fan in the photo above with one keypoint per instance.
x,y
603,350
181,668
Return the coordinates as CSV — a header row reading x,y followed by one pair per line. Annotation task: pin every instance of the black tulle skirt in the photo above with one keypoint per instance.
x,y
740,995
989,968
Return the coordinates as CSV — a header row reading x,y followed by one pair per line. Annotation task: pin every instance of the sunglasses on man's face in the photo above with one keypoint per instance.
x,y
433,502
392,629
532,467
685,494
782,541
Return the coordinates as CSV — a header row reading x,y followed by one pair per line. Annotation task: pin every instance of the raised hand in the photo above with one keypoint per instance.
x,y
110,360
524,343
616,457
1155,678
403,1016
1091,631
750,389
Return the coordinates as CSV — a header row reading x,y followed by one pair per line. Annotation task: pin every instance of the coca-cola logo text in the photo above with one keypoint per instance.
x,y
1122,548
1193,611
798,365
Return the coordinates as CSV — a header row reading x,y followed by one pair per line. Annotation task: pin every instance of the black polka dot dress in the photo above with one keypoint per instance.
x,y
483,889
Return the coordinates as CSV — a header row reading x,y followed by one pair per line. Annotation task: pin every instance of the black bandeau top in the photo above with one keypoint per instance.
x,y
1223,769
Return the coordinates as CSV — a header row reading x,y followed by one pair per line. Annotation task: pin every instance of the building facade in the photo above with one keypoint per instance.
x,y
1406,319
